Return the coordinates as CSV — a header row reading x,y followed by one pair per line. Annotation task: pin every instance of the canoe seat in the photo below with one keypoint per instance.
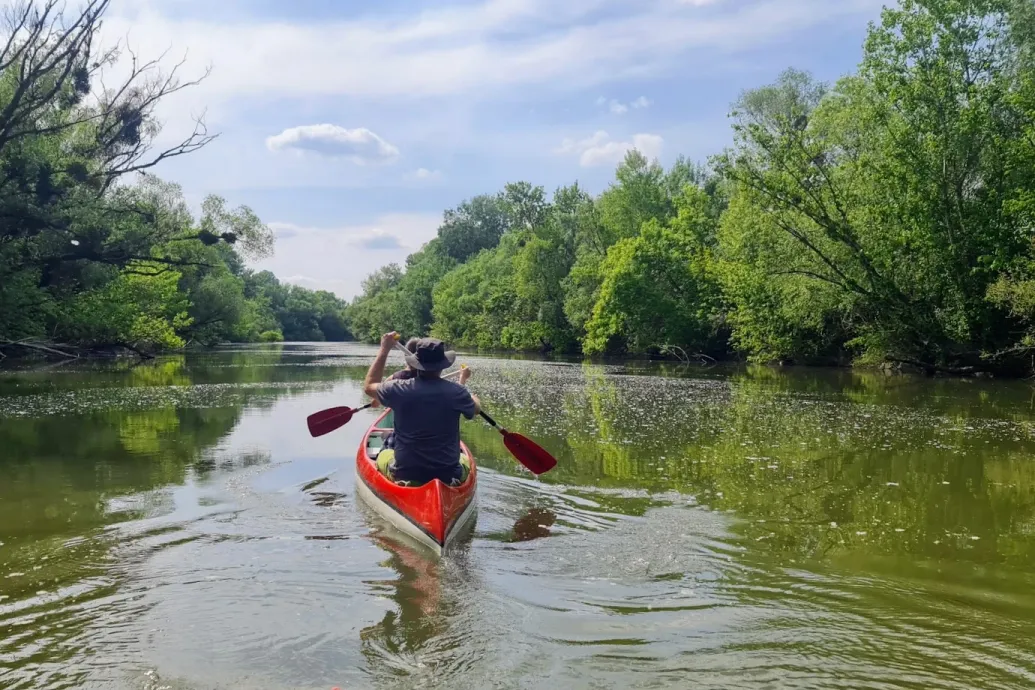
x,y
384,460
375,442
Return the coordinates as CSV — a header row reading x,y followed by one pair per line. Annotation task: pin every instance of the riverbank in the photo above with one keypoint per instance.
x,y
679,357
28,353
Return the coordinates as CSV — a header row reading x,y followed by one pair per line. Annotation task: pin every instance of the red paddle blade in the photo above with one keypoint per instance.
x,y
326,421
528,453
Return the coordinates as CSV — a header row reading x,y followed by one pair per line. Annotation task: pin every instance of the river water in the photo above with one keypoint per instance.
x,y
172,525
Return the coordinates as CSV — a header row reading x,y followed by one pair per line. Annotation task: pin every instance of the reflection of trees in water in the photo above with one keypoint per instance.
x,y
106,439
817,462
60,474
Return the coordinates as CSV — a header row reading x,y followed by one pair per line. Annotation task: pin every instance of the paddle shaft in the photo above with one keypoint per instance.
x,y
492,421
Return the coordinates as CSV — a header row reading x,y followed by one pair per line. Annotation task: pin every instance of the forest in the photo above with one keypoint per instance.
x,y
885,219
96,253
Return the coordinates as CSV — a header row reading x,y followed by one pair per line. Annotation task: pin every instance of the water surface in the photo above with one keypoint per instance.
x,y
172,525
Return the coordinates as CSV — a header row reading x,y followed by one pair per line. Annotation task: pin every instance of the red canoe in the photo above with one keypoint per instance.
x,y
433,514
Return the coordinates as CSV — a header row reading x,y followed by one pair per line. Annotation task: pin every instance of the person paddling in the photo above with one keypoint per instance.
x,y
427,410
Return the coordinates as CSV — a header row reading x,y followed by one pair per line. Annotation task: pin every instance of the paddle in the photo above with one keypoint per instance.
x,y
326,421
525,450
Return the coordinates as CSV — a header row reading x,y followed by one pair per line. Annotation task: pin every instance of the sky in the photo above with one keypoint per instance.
x,y
349,126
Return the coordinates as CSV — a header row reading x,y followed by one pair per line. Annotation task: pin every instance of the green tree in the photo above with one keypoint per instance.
x,y
412,296
474,225
84,256
474,303
141,308
642,192
658,288
890,189
887,217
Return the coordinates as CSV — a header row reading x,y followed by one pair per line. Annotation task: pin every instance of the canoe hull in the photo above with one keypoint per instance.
x,y
433,515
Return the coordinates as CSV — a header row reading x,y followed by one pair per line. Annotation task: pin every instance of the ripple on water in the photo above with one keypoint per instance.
x,y
251,565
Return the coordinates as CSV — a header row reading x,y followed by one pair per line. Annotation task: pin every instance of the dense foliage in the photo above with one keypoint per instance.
x,y
886,218
91,259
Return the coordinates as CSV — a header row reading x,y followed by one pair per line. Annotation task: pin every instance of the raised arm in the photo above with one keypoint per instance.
x,y
465,373
377,368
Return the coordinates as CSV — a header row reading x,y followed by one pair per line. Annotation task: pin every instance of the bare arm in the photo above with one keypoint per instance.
x,y
465,374
377,368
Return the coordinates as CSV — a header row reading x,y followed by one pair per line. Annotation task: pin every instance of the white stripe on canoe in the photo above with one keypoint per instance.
x,y
401,523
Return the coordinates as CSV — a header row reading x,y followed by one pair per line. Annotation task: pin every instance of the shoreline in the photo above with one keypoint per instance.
x,y
50,354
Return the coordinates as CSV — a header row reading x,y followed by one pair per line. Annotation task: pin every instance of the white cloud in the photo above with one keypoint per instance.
x,y
619,108
338,258
601,149
314,283
359,145
425,174
368,237
456,49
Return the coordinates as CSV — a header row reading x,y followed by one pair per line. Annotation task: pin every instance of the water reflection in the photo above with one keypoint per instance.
x,y
422,634
737,526
534,524
815,464
87,448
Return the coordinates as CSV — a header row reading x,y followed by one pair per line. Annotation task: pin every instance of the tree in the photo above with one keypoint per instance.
x,y
413,306
887,217
62,150
137,311
526,206
473,305
74,233
890,189
382,280
642,192
474,225
658,287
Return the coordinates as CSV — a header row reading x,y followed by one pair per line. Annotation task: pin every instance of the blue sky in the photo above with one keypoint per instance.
x,y
350,126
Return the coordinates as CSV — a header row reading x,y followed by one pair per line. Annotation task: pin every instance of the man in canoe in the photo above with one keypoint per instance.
x,y
427,411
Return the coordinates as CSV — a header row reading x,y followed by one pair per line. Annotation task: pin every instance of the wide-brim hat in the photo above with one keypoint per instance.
x,y
430,354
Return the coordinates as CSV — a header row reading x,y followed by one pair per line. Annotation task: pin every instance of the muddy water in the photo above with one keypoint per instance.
x,y
172,525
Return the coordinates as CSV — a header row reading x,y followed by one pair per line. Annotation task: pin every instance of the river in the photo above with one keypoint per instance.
x,y
171,525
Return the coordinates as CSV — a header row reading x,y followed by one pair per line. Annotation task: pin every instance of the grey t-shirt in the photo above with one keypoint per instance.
x,y
427,425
